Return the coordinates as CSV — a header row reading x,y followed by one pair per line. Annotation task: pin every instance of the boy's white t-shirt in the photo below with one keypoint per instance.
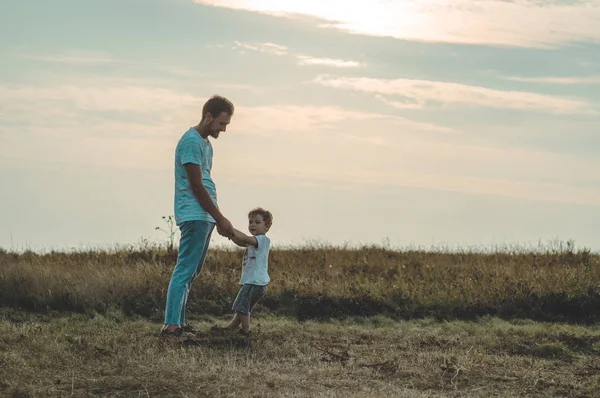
x,y
255,265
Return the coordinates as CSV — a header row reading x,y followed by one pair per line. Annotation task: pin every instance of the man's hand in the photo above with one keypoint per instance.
x,y
194,173
225,228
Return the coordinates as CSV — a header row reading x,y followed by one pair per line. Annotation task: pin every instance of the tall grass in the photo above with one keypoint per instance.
x,y
557,282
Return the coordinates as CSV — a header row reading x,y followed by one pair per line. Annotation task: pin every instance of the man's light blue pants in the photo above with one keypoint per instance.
x,y
193,246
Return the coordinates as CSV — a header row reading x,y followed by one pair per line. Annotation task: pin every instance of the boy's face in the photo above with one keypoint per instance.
x,y
256,225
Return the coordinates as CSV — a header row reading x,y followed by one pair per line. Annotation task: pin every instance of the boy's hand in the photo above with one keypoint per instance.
x,y
225,227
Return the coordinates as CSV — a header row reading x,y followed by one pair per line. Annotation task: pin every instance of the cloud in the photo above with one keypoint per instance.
x,y
113,123
129,98
406,103
338,63
520,23
75,58
125,97
121,108
354,148
416,94
277,49
426,162
271,48
441,181
558,80
307,119
109,109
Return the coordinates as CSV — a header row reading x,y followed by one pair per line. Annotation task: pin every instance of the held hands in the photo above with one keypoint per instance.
x,y
225,228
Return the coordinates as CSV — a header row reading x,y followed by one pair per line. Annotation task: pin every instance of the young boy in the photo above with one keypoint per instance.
x,y
255,266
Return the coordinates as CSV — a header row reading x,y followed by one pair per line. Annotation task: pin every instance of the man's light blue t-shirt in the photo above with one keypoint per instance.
x,y
255,267
192,148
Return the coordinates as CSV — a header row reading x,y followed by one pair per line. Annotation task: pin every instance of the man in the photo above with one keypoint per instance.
x,y
196,210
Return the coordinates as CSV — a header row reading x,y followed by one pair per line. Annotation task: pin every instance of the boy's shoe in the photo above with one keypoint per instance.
x,y
220,331
246,339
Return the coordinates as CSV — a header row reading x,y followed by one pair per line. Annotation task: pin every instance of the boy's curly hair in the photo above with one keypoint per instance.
x,y
266,215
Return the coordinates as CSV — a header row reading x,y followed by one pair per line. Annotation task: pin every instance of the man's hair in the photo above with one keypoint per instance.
x,y
216,105
266,215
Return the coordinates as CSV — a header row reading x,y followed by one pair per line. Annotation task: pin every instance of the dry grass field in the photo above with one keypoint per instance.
x,y
352,322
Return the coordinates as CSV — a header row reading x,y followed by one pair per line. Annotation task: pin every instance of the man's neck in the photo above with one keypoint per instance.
x,y
203,132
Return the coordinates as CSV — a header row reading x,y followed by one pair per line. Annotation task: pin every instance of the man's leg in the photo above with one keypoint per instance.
x,y
209,227
192,250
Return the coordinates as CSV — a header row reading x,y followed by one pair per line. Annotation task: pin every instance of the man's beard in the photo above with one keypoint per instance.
x,y
213,133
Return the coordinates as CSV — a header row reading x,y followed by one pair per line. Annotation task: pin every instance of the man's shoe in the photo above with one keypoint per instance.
x,y
177,332
165,331
188,329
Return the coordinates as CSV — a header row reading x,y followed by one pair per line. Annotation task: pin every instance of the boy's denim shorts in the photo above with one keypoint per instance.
x,y
247,298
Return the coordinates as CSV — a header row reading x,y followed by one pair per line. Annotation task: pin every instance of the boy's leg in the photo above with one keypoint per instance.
x,y
242,305
245,320
247,298
235,322
192,250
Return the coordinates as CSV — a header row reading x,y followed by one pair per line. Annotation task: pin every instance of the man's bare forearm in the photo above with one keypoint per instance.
x,y
206,202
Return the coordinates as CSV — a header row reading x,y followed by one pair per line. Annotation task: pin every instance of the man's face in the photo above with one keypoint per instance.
x,y
216,125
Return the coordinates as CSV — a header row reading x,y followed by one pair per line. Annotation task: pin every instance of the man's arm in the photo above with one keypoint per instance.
x,y
243,240
194,173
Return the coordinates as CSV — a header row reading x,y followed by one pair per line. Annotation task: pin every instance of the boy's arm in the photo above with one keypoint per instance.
x,y
243,240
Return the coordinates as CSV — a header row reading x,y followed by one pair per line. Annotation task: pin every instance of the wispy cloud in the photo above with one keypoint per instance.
x,y
125,101
521,23
517,189
405,103
312,119
277,49
426,162
76,59
338,63
103,122
557,80
96,98
396,158
261,47
413,93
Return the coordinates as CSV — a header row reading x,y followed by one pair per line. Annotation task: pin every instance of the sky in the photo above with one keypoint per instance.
x,y
414,123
